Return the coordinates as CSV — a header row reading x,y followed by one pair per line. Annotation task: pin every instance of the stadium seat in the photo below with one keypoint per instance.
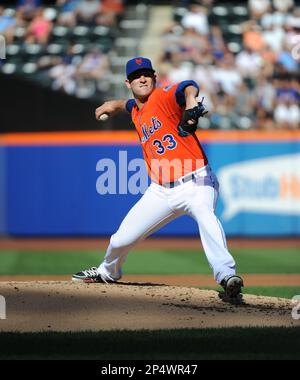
x,y
55,48
10,12
19,33
235,47
101,30
80,31
244,122
220,11
9,68
232,33
81,34
235,29
13,50
33,49
240,11
29,68
80,49
50,13
60,31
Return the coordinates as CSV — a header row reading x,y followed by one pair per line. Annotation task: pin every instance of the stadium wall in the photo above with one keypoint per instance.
x,y
52,183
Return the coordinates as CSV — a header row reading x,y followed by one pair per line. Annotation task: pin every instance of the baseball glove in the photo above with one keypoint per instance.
x,y
185,129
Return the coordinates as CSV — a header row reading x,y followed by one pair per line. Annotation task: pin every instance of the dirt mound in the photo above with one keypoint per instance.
x,y
67,306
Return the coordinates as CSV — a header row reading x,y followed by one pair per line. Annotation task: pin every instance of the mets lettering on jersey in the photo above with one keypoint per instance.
x,y
168,156
148,131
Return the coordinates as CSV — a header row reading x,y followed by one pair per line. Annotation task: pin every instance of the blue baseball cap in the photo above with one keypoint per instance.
x,y
138,63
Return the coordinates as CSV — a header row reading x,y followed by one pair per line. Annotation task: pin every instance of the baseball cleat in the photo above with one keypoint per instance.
x,y
91,275
232,285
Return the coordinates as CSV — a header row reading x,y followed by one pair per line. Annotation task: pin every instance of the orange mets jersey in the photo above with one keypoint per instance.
x,y
168,156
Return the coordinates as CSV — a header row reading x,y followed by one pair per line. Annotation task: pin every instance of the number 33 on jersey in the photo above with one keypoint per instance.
x,y
156,124
171,144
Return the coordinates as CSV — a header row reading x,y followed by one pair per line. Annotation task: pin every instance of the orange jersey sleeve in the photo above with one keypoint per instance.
x,y
168,156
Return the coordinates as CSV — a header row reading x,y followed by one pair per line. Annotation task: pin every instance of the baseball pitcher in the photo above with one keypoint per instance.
x,y
182,182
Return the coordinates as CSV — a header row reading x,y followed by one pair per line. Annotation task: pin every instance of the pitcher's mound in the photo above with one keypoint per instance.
x,y
67,306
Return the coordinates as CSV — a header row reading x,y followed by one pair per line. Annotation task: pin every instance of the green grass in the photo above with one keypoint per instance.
x,y
273,291
194,262
46,262
148,262
231,343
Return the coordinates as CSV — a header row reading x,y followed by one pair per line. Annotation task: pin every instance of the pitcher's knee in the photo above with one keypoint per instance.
x,y
118,241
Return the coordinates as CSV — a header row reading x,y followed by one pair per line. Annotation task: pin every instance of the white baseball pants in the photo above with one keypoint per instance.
x,y
157,207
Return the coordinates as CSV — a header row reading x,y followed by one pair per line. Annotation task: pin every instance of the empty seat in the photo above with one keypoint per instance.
x,y
234,29
220,11
240,10
81,34
80,31
8,68
13,49
234,47
232,33
237,14
50,13
33,49
101,30
80,49
10,12
60,31
29,68
19,32
55,49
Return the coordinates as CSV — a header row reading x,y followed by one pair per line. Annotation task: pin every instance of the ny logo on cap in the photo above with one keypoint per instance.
x,y
138,61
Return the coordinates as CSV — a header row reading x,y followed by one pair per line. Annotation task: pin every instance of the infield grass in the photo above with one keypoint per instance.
x,y
286,261
230,343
